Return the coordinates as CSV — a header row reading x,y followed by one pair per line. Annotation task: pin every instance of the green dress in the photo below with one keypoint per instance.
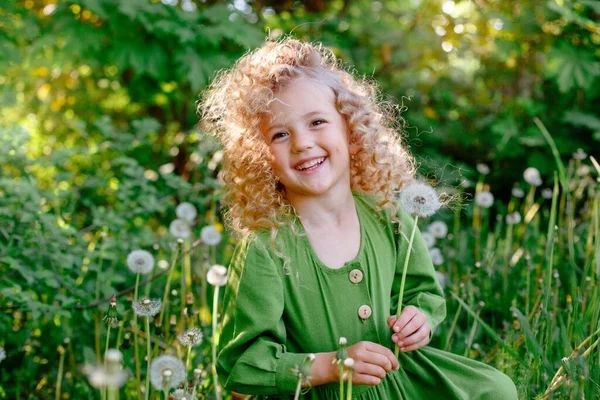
x,y
276,313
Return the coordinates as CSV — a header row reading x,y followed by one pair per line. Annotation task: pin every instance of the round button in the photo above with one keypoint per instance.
x,y
356,276
364,311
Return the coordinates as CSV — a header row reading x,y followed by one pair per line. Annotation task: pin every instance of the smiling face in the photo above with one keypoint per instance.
x,y
308,140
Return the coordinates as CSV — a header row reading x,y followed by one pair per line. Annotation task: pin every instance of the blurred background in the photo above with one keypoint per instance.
x,y
98,140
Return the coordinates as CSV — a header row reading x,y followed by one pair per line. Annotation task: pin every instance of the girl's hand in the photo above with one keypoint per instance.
x,y
411,331
372,362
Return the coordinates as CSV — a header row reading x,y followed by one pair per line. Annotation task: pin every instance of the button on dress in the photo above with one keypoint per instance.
x,y
282,303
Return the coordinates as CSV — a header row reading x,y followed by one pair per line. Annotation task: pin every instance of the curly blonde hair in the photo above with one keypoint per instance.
x,y
236,102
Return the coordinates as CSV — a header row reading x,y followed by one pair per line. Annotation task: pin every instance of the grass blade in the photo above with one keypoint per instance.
x,y
531,340
489,330
559,164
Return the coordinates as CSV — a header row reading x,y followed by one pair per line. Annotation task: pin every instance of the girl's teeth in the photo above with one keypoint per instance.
x,y
310,164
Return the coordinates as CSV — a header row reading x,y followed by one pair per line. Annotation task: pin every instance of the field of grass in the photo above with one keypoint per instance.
x,y
521,281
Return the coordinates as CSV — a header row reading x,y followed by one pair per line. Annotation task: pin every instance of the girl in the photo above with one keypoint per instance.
x,y
312,170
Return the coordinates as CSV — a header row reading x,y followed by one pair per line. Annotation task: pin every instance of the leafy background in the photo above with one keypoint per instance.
x,y
98,139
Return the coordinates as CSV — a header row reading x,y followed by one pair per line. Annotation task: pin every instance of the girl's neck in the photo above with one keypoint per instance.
x,y
333,209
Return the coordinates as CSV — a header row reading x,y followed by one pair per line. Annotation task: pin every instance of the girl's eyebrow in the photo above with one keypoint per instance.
x,y
284,122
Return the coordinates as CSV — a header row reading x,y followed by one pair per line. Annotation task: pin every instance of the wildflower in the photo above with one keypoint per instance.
x,y
518,192
514,218
197,376
547,193
167,372
483,169
302,371
191,337
111,316
484,199
429,239
439,229
110,375
217,275
180,229
349,364
341,353
532,176
210,235
186,211
2,354
420,199
436,256
579,155
140,262
146,307
163,264
442,279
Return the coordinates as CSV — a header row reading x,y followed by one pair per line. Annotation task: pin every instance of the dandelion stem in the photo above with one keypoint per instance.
x,y
298,388
149,350
404,269
452,327
104,390
187,361
214,342
349,394
341,379
61,364
135,342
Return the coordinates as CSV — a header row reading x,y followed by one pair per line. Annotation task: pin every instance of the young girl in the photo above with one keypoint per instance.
x,y
312,171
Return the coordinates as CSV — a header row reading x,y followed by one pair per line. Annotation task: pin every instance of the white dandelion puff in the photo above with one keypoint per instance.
x,y
436,256
429,239
532,176
167,372
466,183
517,192
349,363
180,229
140,262
179,394
484,199
111,374
514,218
439,229
547,193
420,199
580,155
146,307
483,169
2,354
210,235
190,338
442,279
186,211
217,275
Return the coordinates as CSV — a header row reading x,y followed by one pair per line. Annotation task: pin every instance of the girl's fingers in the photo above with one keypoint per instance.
x,y
415,346
362,379
376,348
421,334
405,317
366,368
411,327
391,320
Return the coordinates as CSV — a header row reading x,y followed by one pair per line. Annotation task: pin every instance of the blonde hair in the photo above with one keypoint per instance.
x,y
236,102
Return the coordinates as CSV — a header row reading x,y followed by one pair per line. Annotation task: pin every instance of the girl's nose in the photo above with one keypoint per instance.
x,y
301,142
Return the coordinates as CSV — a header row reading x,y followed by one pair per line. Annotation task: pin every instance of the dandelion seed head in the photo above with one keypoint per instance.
x,y
191,337
484,199
349,363
186,211
163,264
442,279
217,275
439,229
532,176
180,229
2,354
140,262
429,239
580,154
146,307
547,193
513,219
178,394
343,341
517,192
419,199
483,169
436,256
210,235
166,372
111,376
113,356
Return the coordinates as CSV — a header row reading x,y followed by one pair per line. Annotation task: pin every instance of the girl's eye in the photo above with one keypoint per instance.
x,y
278,135
318,122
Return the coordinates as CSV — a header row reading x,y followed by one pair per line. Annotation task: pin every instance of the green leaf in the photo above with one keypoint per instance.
x,y
579,118
571,67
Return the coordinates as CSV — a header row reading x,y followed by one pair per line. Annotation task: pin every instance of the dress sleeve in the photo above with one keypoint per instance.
x,y
421,288
252,347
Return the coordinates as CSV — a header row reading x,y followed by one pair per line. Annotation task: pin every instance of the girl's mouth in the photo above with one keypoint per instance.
x,y
310,165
